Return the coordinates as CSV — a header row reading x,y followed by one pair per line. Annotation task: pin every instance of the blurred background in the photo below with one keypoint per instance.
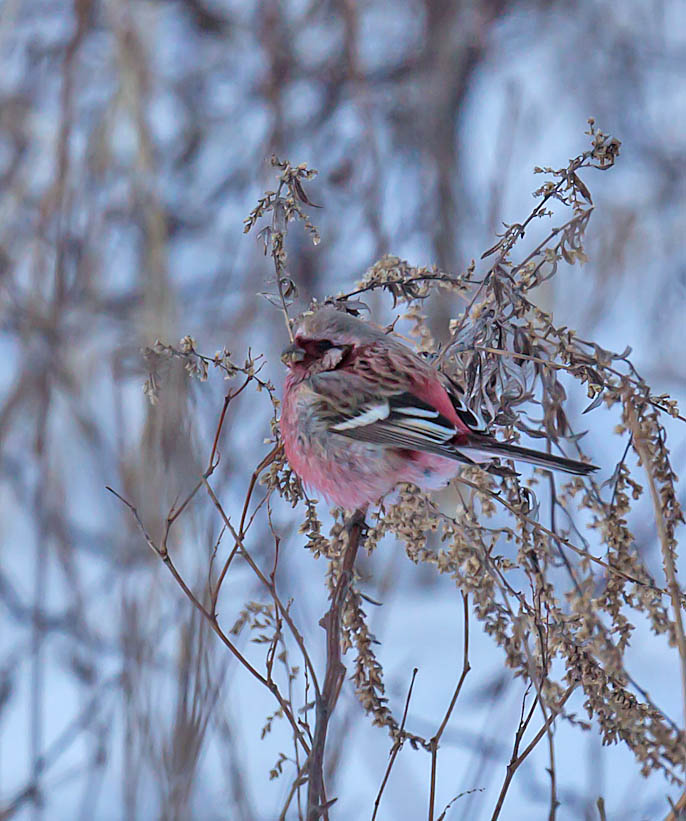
x,y
133,143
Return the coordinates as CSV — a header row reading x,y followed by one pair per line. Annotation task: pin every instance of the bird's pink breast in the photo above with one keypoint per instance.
x,y
347,472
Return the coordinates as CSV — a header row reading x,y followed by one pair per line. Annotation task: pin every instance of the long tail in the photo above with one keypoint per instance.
x,y
487,447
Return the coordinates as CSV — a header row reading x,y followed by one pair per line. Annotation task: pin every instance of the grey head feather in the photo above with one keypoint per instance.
x,y
339,327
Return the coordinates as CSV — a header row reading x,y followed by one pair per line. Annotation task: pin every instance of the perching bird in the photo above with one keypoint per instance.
x,y
362,412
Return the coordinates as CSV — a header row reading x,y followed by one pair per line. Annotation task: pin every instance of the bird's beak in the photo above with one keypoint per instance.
x,y
292,354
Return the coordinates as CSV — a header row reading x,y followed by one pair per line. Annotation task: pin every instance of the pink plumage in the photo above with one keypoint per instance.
x,y
362,412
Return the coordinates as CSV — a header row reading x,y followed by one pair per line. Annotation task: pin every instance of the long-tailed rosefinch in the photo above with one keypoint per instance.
x,y
362,412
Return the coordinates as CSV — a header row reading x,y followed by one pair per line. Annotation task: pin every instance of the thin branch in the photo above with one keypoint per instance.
x,y
466,667
300,778
166,558
240,535
517,758
397,746
269,584
227,400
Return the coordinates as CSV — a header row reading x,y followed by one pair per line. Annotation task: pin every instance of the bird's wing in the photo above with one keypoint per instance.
x,y
401,420
389,396
473,420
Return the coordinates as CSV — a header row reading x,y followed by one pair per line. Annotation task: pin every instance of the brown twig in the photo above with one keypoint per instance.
x,y
317,804
397,746
212,463
517,757
240,534
676,813
163,553
514,233
268,584
466,667
230,395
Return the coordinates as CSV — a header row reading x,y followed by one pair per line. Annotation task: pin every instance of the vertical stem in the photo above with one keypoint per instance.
x,y
37,661
666,542
466,667
335,671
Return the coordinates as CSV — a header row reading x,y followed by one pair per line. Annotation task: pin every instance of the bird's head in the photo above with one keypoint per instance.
x,y
324,338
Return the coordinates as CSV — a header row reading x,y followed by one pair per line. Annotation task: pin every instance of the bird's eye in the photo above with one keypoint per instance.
x,y
314,347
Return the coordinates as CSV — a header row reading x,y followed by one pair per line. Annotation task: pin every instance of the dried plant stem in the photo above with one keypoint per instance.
x,y
517,757
268,583
433,744
537,681
294,788
163,553
676,813
397,746
641,447
230,395
278,267
335,671
573,369
554,803
240,534
505,245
